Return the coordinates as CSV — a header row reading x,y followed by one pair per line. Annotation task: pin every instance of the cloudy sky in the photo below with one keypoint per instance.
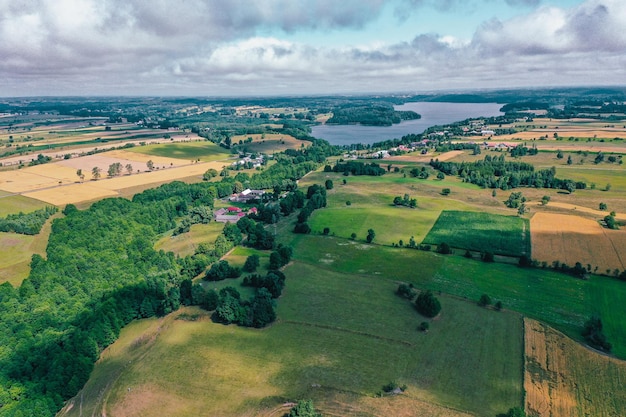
x,y
277,47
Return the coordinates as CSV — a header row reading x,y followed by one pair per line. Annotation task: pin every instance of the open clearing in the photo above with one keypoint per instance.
x,y
17,251
13,204
187,243
479,231
565,379
570,239
268,143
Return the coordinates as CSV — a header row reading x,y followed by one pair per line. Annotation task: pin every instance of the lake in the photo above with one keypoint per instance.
x,y
432,114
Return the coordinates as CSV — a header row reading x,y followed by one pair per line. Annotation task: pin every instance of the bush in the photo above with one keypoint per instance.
x,y
487,256
444,249
427,304
424,326
302,228
484,300
406,291
445,191
498,305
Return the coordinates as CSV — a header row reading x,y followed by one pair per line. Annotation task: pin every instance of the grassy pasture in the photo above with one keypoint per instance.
x,y
333,340
204,151
479,231
371,205
557,299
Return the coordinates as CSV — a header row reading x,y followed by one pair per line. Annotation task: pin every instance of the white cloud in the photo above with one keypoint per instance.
x,y
216,47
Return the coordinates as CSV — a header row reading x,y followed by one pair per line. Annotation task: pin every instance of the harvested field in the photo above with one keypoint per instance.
x,y
565,379
94,190
104,160
570,239
416,157
35,178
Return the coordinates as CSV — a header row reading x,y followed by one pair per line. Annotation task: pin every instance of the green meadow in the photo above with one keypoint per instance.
x,y
558,299
204,151
337,333
482,232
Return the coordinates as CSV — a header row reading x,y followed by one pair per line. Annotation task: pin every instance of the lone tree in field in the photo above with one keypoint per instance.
x,y
444,249
129,169
150,165
593,334
95,172
329,184
80,175
370,235
427,304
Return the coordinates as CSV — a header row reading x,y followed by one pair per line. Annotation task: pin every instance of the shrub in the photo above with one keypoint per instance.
x,y
484,300
424,326
444,249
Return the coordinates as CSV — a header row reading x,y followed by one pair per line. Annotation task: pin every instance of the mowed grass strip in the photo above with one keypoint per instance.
x,y
477,231
204,151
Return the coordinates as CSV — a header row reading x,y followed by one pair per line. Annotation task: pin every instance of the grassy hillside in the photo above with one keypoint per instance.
x,y
337,334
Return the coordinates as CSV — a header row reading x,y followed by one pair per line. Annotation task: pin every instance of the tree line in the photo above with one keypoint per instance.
x,y
27,223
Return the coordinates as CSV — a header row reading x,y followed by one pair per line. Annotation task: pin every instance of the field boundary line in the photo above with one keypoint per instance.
x,y
341,329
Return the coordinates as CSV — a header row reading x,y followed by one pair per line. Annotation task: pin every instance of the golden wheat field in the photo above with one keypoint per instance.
x,y
113,187
570,239
562,377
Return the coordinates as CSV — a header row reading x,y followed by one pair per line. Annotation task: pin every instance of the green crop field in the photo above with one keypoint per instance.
x,y
558,299
479,231
204,151
336,333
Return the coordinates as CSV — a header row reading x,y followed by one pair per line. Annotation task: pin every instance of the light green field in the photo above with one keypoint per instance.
x,y
371,206
337,333
204,151
187,243
554,298
17,251
13,204
478,231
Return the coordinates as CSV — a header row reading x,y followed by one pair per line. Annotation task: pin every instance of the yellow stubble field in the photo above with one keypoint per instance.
x,y
564,379
570,239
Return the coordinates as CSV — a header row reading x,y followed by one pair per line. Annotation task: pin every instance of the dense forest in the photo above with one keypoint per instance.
x,y
102,272
370,114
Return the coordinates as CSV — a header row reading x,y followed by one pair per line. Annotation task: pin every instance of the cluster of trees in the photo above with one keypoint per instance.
x,y
497,173
41,159
273,282
258,312
381,114
26,224
280,257
316,195
304,408
221,270
357,168
515,200
521,150
420,173
592,332
406,201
